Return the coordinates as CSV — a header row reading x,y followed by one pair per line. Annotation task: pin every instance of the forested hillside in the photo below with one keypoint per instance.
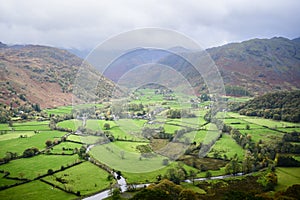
x,y
283,105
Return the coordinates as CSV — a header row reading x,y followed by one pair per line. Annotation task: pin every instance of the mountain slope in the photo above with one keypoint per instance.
x,y
260,65
256,66
42,75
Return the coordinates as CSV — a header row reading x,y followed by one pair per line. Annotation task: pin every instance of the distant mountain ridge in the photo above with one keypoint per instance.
x,y
257,66
43,75
46,75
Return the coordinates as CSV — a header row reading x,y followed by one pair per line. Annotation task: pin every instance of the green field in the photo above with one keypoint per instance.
x,y
72,124
18,145
287,176
151,176
123,154
264,122
16,134
85,177
65,148
110,154
34,190
31,168
227,146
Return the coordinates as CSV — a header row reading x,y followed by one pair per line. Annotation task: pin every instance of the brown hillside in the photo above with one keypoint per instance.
x,y
42,75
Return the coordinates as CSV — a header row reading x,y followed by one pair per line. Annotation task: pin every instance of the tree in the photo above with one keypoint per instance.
x,y
193,175
30,152
48,143
106,126
50,171
165,162
208,175
187,194
233,167
248,163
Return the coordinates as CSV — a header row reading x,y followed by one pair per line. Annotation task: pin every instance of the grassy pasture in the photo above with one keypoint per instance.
x,y
75,138
264,122
65,145
288,130
129,146
4,181
150,176
264,134
18,145
86,178
226,145
60,110
35,190
110,154
90,139
72,124
287,176
13,134
38,165
31,126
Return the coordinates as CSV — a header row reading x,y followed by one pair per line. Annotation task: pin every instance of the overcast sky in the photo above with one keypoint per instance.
x,y
84,24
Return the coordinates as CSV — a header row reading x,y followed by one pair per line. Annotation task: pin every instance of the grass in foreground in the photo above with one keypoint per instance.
x,y
34,190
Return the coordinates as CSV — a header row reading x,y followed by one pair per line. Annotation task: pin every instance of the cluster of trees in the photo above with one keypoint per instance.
x,y
233,90
278,106
30,152
177,114
165,189
24,111
135,107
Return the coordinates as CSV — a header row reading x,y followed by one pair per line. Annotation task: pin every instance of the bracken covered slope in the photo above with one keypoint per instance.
x,y
44,75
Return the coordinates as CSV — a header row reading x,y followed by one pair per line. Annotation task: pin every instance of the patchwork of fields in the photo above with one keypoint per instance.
x,y
138,147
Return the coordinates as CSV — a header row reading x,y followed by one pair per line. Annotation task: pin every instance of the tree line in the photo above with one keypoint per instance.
x,y
283,105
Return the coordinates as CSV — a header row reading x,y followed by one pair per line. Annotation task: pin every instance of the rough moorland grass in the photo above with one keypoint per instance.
x,y
72,124
227,146
18,145
34,190
287,176
86,178
111,155
38,165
